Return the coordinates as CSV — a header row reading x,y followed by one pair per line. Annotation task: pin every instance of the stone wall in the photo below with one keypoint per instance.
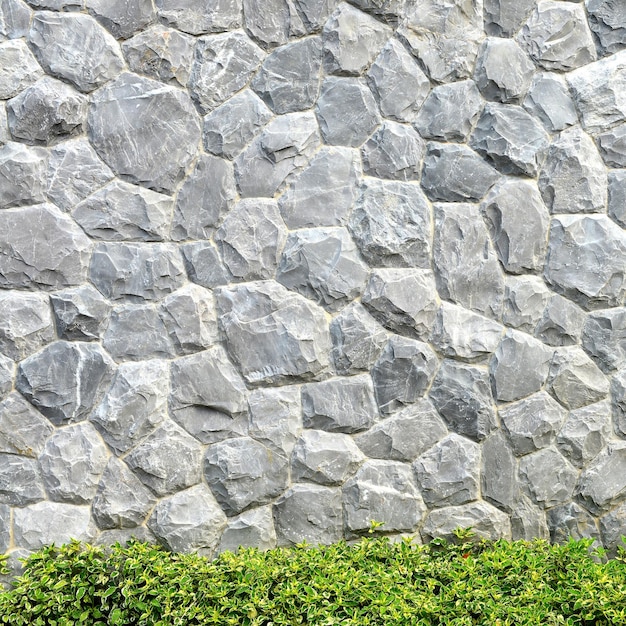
x,y
273,269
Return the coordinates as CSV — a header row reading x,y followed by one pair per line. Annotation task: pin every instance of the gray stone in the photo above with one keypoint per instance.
x,y
398,82
68,391
403,373
340,405
222,65
4,127
528,521
22,175
449,113
121,500
189,521
405,435
124,536
550,102
253,528
466,267
203,264
342,125
310,513
571,521
242,473
532,423
503,18
498,472
518,224
81,313
72,462
604,338
602,484
120,211
503,71
462,395
18,67
5,529
273,334
14,19
510,138
289,78
462,334
557,37
385,492
606,20
561,323
613,146
323,193
160,53
618,397
57,5
26,324
613,529
267,21
519,366
7,374
586,260
548,477
251,238
20,480
394,151
167,461
199,16
322,264
74,47
573,178
122,17
357,340
525,300
144,131
285,146
74,172
455,173
310,15
403,300
389,11
448,473
324,458
134,405
136,271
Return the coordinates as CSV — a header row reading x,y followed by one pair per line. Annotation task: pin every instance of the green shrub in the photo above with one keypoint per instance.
x,y
372,582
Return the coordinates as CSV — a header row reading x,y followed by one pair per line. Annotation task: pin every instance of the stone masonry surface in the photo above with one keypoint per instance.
x,y
273,270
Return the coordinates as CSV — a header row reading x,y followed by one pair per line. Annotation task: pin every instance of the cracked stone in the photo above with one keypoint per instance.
x,y
606,20
604,338
253,528
22,175
20,480
81,313
525,300
201,16
550,102
23,430
122,18
204,265
613,146
571,521
503,19
19,67
602,484
561,323
549,478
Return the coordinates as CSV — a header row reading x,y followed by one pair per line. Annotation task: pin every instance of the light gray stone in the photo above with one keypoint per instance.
x,y
586,260
57,5
602,484
199,16
398,82
403,300
267,21
5,530
389,11
607,20
253,528
548,477
7,375
144,131
612,146
23,430
4,126
556,36
204,265
462,395
136,271
322,264
14,19
273,334
122,17
498,472
385,492
124,536
310,15
612,529
525,300
20,480
74,47
550,102
571,521
532,423
503,18
134,405
189,521
81,313
222,65
68,391
72,462
618,398
22,175
528,521
18,67
604,338
341,125
561,323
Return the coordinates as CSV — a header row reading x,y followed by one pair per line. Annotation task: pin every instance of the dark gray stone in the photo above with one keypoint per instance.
x,y
613,529
571,521
14,19
618,398
602,484
201,16
607,20
455,173
528,521
604,338
550,102
342,125
253,528
20,481
403,373
390,11
267,21
81,313
204,265
122,17
498,472
462,395
23,430
503,18
613,146
525,300
18,67
68,391
561,323
22,175
144,131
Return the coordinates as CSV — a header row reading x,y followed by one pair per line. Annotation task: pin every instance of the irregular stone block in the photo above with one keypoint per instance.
x,y
612,529
571,521
267,21
604,338
402,373
382,491
144,131
549,478
389,11
503,19
199,16
7,374
204,265
525,300
312,15
322,264
607,20
81,313
222,65
251,238
188,521
273,334
14,19
454,173
602,484
618,398
72,462
242,473
449,113
498,472
5,529
550,102
74,47
561,323
20,481
134,405
68,391
289,78
532,423
323,192
19,67
341,125
613,146
462,395
403,300
586,260
528,521
22,175
398,83
121,17
253,528
136,271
